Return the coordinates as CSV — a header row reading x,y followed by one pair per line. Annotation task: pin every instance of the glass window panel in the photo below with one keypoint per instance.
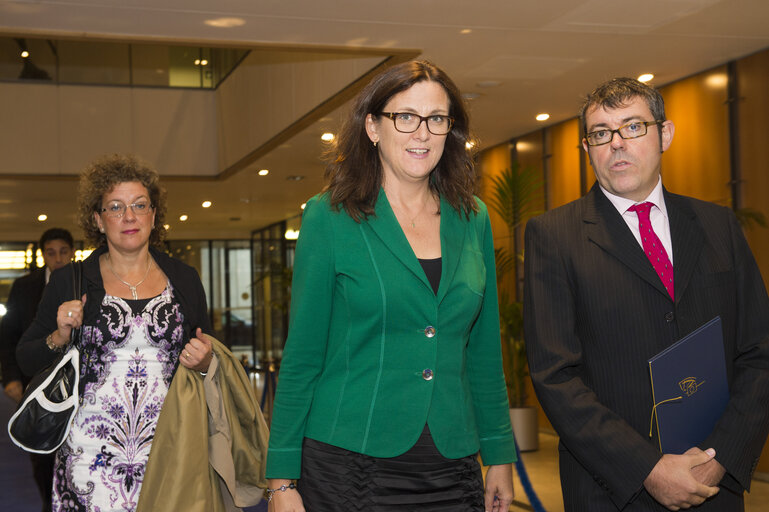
x,y
94,63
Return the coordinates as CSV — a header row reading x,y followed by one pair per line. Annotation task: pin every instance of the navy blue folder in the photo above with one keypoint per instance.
x,y
689,388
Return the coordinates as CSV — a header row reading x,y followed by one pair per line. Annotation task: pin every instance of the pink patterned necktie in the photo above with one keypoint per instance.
x,y
652,246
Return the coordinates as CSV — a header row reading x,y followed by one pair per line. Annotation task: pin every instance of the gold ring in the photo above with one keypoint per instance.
x,y
186,354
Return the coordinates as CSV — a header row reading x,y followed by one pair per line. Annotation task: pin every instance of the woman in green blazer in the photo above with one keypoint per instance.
x,y
391,380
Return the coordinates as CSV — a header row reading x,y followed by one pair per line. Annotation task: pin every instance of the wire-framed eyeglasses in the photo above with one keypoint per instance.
x,y
118,208
631,130
408,122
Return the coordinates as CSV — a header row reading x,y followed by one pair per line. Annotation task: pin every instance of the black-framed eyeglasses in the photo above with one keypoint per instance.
x,y
407,122
631,130
118,208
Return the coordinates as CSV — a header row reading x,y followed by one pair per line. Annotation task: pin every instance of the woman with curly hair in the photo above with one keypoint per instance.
x,y
141,314
391,381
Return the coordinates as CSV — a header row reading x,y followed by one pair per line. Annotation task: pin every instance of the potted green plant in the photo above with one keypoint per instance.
x,y
516,196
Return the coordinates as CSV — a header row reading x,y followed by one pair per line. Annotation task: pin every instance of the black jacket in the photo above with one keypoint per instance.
x,y
22,306
32,353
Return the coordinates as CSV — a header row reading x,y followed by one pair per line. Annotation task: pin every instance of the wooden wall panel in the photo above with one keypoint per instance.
x,y
491,163
563,173
697,163
753,80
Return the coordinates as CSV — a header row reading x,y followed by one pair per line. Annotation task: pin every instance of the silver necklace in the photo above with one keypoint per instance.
x,y
130,286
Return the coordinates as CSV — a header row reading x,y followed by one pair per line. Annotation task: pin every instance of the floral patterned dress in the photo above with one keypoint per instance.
x,y
128,360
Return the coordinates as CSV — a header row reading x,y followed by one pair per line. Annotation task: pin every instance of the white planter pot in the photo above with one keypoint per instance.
x,y
525,427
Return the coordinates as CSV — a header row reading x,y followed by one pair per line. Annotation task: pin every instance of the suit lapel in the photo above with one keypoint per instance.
x,y
386,227
688,239
607,229
453,229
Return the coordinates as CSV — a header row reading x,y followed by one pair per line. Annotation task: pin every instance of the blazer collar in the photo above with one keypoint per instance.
x,y
607,229
452,231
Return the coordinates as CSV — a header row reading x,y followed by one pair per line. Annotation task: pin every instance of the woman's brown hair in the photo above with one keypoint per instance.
x,y
102,176
354,171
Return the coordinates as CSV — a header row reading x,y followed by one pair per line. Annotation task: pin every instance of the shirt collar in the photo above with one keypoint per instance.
x,y
656,197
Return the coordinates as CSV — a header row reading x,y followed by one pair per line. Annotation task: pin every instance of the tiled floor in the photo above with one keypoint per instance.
x,y
542,467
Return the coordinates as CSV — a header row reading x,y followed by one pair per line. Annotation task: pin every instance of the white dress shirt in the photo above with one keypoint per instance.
x,y
658,216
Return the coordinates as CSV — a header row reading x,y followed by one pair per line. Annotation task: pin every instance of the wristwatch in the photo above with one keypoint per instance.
x,y
51,345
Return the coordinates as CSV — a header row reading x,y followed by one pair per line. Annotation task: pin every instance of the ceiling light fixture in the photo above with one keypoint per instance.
x,y
469,144
167,226
183,217
542,117
225,22
465,31
204,62
206,204
197,62
469,96
646,77
42,217
328,136
24,54
303,205
264,172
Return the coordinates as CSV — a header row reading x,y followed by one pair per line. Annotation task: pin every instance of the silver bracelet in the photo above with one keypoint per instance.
x,y
268,493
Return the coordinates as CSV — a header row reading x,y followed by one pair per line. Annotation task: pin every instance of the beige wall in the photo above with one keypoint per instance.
x,y
269,91
58,129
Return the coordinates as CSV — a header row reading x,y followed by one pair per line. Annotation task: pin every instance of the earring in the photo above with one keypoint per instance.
x,y
375,143
101,229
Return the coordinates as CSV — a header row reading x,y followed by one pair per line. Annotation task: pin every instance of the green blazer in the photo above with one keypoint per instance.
x,y
373,353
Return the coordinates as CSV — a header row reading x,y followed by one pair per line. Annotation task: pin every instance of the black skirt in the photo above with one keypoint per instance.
x,y
337,480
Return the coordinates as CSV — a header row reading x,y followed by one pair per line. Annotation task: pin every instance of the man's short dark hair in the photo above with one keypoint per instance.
x,y
617,93
56,234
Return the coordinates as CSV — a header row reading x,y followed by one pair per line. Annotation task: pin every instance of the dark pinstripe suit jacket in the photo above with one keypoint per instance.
x,y
596,311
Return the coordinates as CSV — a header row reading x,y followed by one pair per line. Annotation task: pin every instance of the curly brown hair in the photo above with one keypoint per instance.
x,y
105,174
354,170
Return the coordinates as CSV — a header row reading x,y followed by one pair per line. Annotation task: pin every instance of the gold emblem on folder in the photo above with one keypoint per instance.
x,y
690,385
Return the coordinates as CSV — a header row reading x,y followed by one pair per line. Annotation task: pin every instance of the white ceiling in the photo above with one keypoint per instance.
x,y
545,54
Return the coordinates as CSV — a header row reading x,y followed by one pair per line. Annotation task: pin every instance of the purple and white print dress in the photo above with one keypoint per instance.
x,y
127,361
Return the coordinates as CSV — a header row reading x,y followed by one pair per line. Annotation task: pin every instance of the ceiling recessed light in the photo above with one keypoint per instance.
x,y
470,96
488,83
225,22
183,217
206,204
204,62
197,62
646,77
465,31
24,54
303,205
167,226
291,234
328,137
469,144
42,217
264,172
542,117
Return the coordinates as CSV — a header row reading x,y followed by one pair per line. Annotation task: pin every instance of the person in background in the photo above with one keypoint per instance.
x,y
57,247
141,315
391,380
616,277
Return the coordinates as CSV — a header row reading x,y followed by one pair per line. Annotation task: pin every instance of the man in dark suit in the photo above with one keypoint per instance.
x,y
57,247
608,285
